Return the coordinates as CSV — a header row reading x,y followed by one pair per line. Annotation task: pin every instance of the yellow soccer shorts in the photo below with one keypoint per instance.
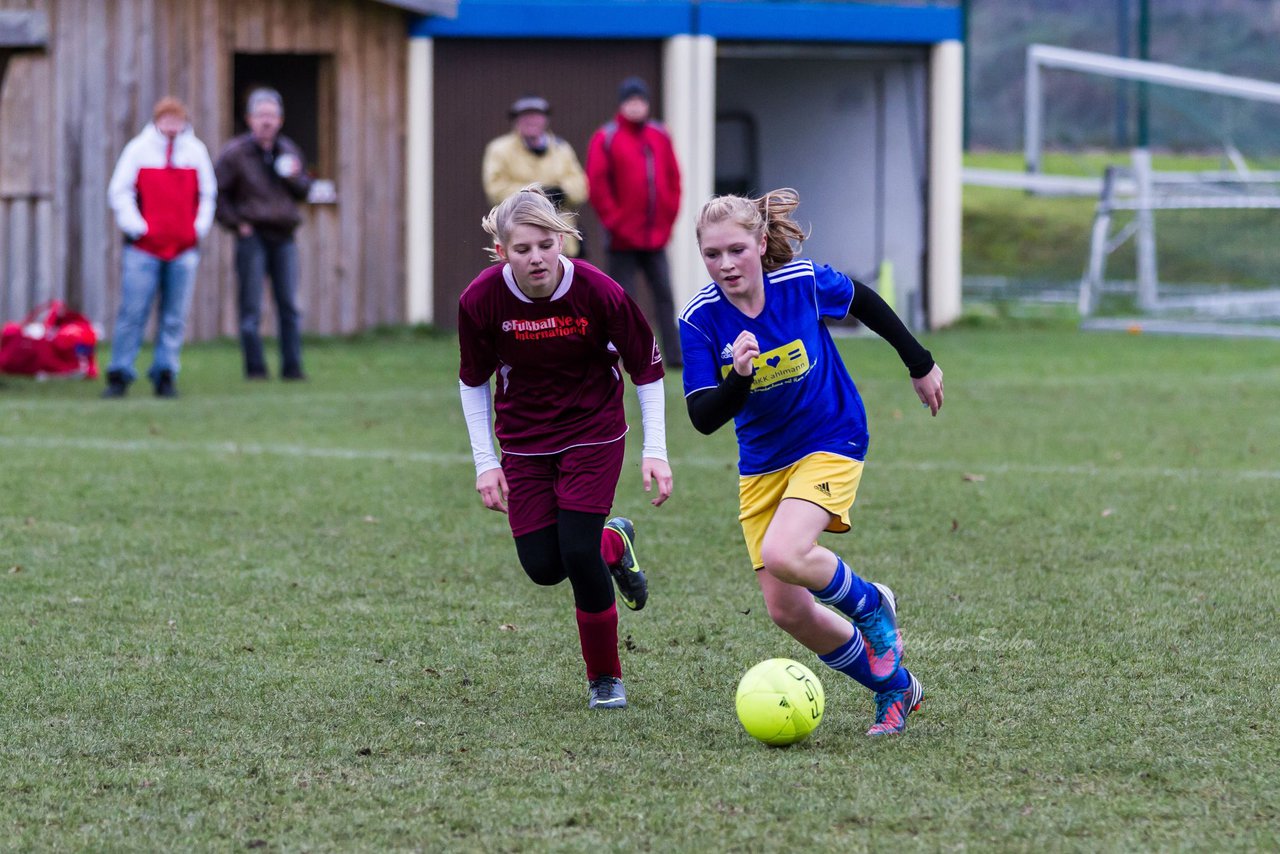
x,y
828,480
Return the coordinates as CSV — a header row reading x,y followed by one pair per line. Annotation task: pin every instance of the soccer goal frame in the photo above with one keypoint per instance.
x,y
1142,190
1042,56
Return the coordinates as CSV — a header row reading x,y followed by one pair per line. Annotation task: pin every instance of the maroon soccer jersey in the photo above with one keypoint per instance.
x,y
556,359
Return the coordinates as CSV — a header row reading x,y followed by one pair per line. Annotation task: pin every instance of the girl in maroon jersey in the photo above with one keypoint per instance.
x,y
556,332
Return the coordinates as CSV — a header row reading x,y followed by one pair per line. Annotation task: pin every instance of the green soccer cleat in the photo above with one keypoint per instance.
x,y
633,587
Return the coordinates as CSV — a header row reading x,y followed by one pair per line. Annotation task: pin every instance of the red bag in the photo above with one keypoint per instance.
x,y
50,341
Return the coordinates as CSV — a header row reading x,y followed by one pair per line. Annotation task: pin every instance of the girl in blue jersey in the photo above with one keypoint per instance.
x,y
757,351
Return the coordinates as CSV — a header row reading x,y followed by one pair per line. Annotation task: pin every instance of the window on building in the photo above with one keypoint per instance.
x,y
306,83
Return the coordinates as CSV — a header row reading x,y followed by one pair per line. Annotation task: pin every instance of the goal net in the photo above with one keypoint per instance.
x,y
1187,223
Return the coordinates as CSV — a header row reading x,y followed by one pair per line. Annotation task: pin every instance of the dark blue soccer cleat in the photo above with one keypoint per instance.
x,y
606,692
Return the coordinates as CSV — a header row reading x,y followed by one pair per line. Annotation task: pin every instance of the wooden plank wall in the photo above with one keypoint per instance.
x,y
26,181
65,117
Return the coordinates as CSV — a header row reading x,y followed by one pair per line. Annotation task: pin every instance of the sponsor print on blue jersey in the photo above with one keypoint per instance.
x,y
785,364
802,400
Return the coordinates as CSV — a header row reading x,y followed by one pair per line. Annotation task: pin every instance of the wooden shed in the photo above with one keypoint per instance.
x,y
80,78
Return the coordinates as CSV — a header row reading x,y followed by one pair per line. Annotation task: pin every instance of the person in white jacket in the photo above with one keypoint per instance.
x,y
163,192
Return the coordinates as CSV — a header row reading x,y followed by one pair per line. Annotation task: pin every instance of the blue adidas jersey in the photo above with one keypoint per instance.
x,y
802,399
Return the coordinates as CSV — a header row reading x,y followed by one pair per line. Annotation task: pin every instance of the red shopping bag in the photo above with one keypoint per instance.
x,y
51,341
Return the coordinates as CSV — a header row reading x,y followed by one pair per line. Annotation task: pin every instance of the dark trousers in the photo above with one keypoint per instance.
x,y
257,258
623,265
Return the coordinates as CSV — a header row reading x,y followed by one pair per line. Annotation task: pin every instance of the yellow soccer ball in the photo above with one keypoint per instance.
x,y
780,701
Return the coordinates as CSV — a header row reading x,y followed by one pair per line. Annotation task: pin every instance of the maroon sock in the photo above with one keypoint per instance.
x,y
611,546
598,634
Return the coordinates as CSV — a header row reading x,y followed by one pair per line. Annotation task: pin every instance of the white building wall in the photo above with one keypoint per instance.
x,y
820,131
946,119
419,192
689,84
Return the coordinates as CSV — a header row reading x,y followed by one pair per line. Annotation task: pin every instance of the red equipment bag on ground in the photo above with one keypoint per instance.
x,y
51,341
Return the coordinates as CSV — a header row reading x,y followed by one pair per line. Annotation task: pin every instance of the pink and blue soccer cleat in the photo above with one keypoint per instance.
x,y
884,641
892,708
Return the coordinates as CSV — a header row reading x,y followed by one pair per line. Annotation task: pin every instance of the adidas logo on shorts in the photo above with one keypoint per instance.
x,y
824,488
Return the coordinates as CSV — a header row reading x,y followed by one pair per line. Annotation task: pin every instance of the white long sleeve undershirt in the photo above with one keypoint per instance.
x,y
653,417
477,407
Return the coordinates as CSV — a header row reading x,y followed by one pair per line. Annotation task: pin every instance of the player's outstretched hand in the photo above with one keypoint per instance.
x,y
745,349
929,389
492,486
658,470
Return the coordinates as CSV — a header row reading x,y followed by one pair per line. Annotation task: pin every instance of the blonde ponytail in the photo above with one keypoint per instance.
x,y
769,215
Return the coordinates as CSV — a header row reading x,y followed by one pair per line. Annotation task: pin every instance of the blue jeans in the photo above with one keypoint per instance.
x,y
143,276
258,257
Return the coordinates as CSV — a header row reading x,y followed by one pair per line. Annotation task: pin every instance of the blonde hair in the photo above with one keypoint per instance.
x,y
768,215
527,206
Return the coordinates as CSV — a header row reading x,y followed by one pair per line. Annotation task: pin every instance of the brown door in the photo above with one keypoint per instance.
x,y
476,80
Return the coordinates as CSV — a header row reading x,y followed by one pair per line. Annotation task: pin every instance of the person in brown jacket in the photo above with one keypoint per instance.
x,y
261,179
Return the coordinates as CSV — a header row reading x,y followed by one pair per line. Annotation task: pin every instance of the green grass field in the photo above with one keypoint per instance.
x,y
278,617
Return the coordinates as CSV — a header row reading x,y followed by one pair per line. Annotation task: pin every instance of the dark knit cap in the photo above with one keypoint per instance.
x,y
633,87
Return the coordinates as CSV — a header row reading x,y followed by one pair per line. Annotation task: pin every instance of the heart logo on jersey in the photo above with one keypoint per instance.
x,y
784,364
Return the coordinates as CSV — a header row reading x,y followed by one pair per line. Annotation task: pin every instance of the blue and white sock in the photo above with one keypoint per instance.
x,y
849,594
851,660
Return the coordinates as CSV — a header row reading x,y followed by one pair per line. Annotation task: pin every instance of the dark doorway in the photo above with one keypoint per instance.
x,y
305,82
737,154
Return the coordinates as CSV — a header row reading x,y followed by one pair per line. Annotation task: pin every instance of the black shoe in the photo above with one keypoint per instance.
x,y
257,376
294,377
606,692
633,588
117,385
165,386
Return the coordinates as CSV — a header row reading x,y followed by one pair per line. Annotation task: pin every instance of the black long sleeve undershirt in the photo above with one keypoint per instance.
x,y
874,313
712,408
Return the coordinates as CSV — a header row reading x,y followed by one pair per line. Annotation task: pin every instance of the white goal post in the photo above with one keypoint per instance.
x,y
1042,56
1141,190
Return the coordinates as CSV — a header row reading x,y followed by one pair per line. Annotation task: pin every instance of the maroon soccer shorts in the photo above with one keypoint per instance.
x,y
582,479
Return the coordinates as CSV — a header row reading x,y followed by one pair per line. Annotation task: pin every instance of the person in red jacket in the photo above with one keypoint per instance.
x,y
163,192
634,185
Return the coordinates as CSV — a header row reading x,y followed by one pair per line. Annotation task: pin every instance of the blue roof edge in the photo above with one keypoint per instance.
x,y
830,22
570,19
750,20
